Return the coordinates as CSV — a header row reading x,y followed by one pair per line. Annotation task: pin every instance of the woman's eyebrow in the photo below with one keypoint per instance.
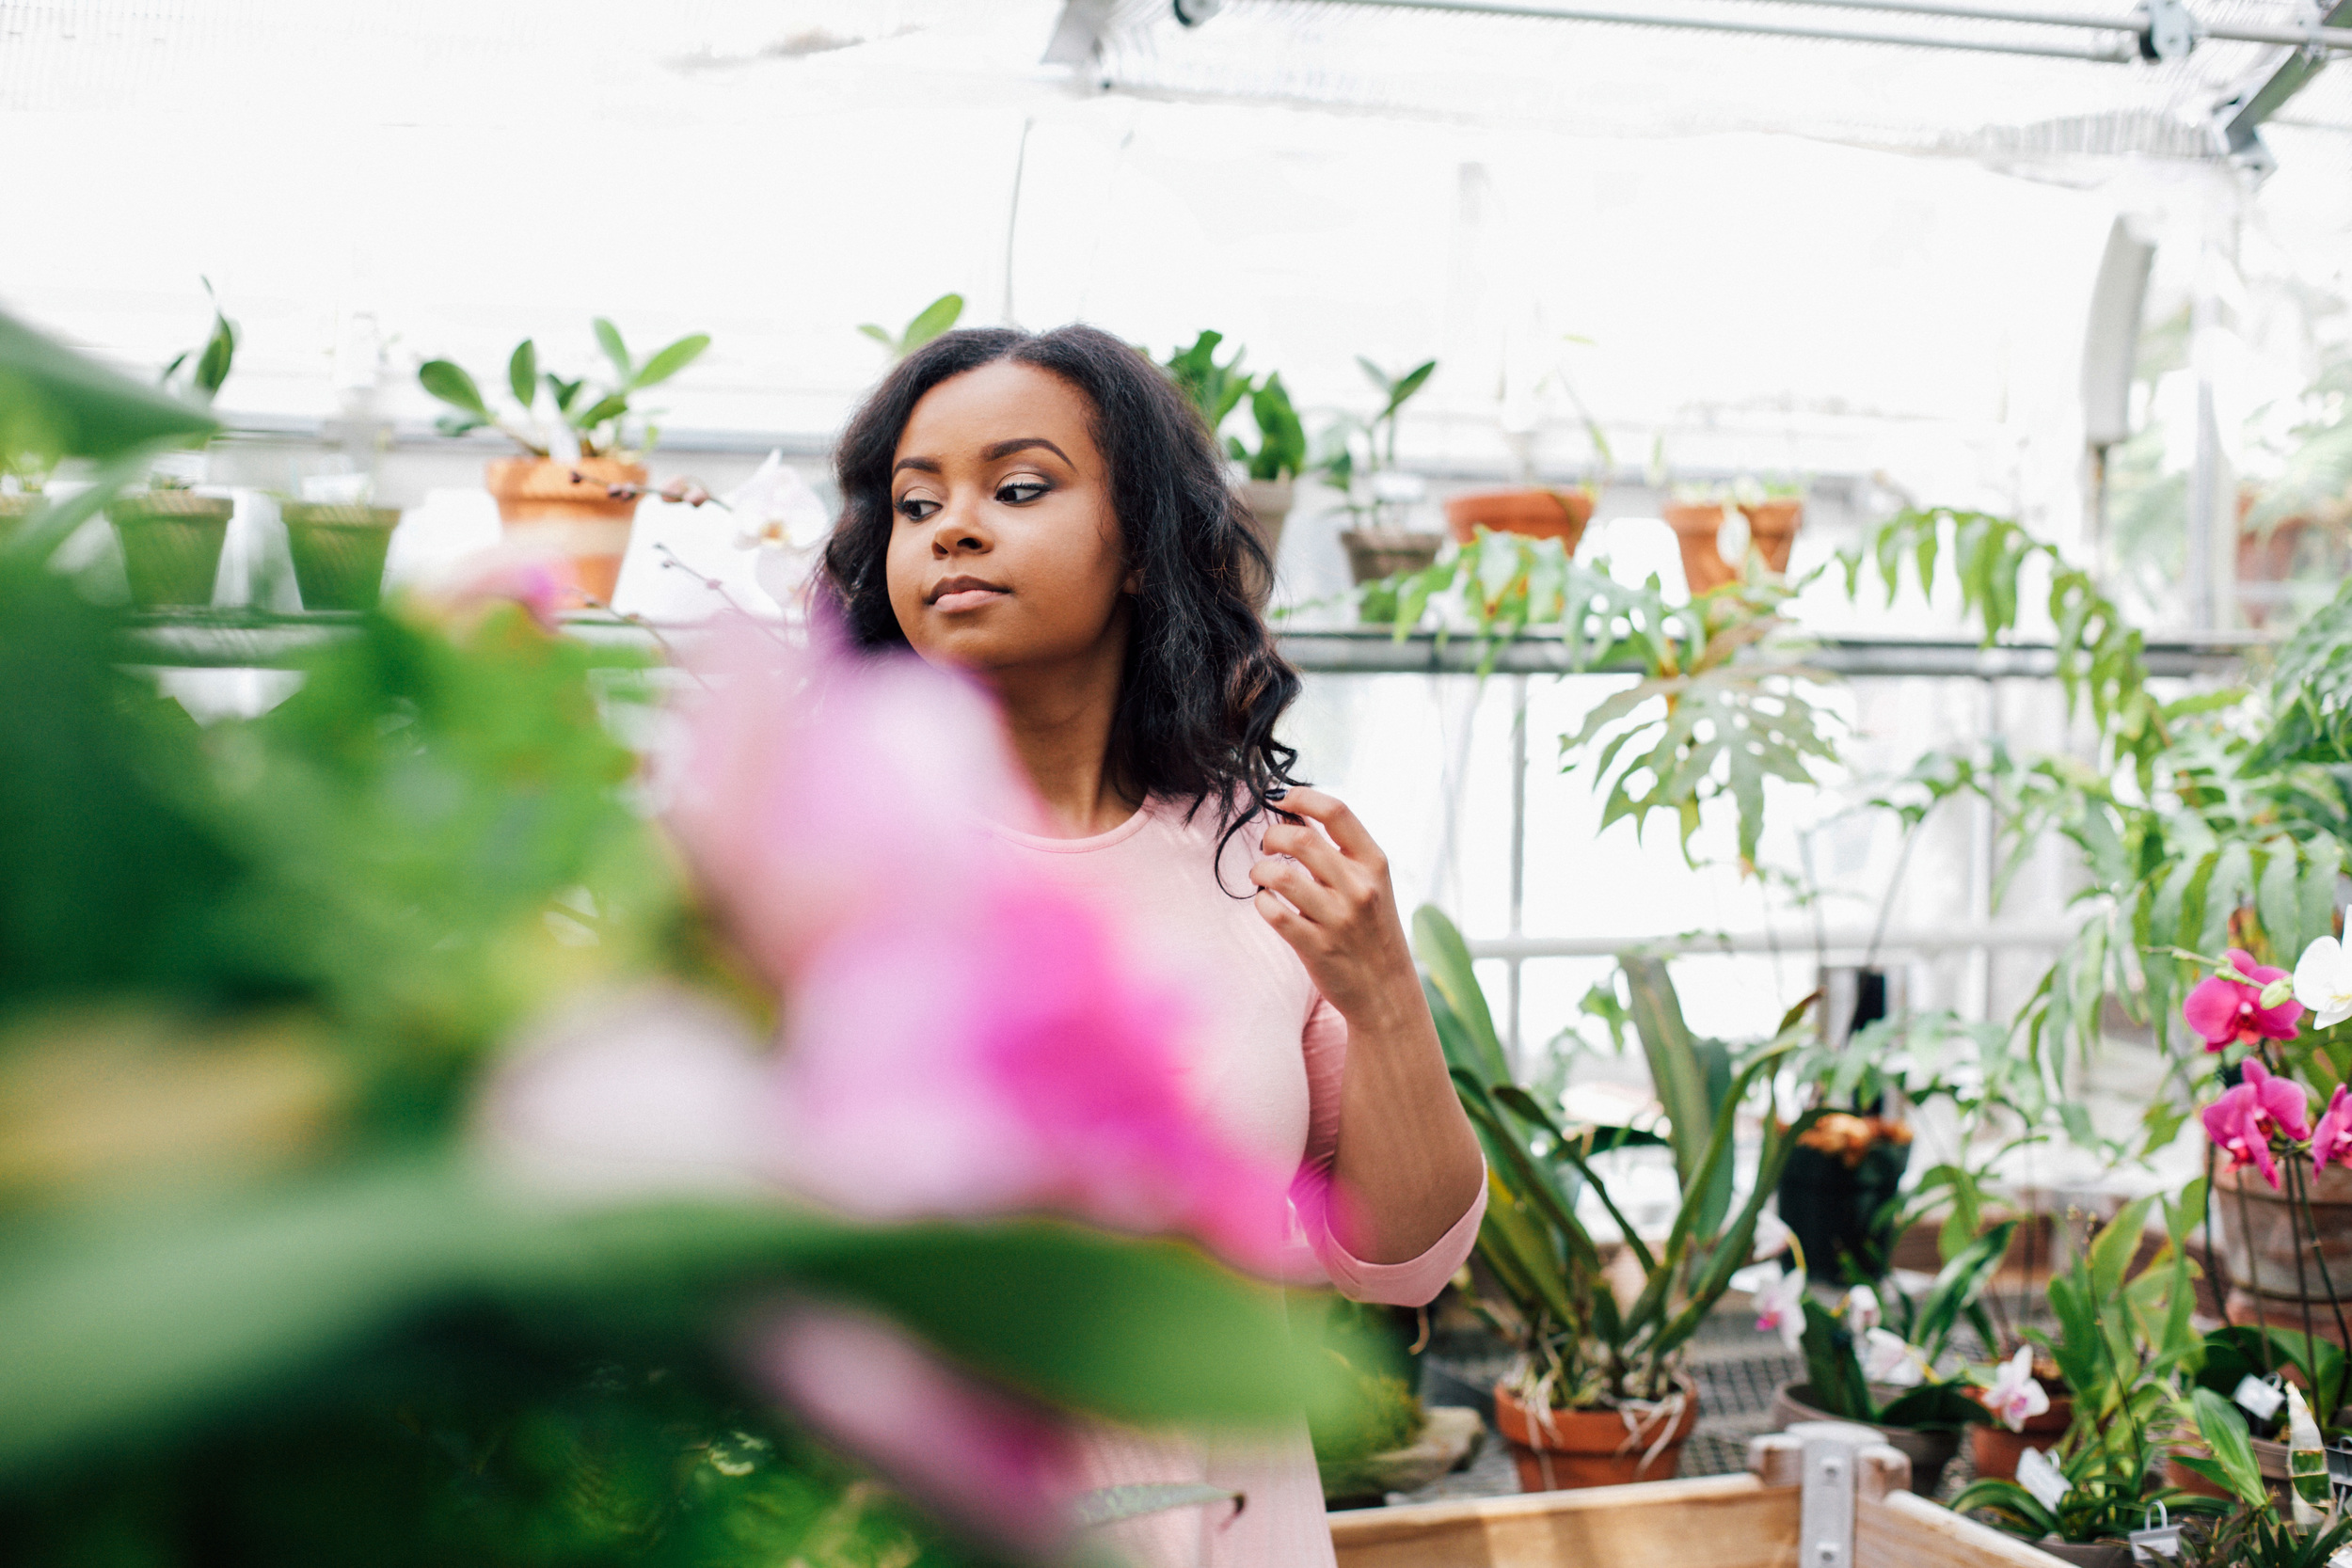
x,y
928,465
1022,443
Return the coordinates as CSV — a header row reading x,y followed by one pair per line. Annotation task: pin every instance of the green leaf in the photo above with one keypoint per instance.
x,y
609,339
1960,1281
879,334
1676,1073
612,407
56,402
2224,1431
1439,944
522,372
1932,1407
672,359
1407,385
939,316
449,382
1832,1372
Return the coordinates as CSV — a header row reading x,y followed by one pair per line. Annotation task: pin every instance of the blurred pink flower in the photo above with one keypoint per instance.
x,y
2332,1140
2242,1122
501,573
961,1037
979,1457
2016,1396
1780,1309
2227,1013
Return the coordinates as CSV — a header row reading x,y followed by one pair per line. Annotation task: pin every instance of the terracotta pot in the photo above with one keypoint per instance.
x,y
545,509
1538,514
2280,1269
1929,1451
1593,1448
337,552
1995,1450
1269,503
171,542
2089,1554
1772,525
1374,553
1695,526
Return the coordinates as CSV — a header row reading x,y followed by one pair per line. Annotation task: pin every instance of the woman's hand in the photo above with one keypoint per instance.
x,y
1406,1155
1329,898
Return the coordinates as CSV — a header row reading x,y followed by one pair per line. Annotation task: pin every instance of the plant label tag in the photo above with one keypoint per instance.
x,y
2259,1398
2038,1474
2161,1544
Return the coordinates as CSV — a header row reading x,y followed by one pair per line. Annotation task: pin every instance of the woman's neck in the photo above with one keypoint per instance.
x,y
1058,718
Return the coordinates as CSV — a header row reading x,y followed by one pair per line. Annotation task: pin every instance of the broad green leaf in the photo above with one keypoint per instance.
x,y
449,382
1675,1071
610,407
879,334
1960,1281
56,402
2225,1434
609,339
522,372
1439,944
672,359
935,318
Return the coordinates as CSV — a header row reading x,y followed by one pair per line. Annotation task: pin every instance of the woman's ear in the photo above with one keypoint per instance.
x,y
1134,584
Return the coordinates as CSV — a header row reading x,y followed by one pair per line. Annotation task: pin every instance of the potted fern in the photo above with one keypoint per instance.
x,y
573,494
1599,1393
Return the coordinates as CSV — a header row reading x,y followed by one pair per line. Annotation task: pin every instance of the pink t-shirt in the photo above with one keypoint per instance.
x,y
1266,1063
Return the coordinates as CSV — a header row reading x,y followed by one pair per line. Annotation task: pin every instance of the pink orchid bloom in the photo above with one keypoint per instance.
x,y
2244,1120
961,1037
979,1457
2226,1013
502,573
2016,1396
1889,1358
1780,1306
2332,1140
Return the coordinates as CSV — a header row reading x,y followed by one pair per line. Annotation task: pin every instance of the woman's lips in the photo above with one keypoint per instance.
x,y
966,599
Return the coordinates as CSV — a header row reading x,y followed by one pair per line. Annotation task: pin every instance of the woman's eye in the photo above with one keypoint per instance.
x,y
1020,492
915,508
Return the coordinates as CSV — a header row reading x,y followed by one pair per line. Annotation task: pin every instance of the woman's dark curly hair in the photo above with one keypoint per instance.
x,y
1204,685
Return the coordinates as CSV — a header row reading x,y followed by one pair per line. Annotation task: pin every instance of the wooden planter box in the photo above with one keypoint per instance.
x,y
1820,1485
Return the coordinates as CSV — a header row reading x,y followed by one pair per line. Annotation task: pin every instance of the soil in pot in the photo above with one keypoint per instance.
x,y
1929,1451
171,542
1563,1449
1695,525
337,552
1538,514
563,511
1374,553
1994,1449
1772,525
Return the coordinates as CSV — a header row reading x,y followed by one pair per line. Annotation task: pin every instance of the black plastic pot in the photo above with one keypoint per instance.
x,y
1831,1207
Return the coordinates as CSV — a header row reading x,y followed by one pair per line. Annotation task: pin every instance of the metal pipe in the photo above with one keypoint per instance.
x,y
2114,56
1942,939
2133,22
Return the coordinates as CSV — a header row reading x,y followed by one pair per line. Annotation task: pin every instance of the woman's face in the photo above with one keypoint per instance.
x,y
1004,549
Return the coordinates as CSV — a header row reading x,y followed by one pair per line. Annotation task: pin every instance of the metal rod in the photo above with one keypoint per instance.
x,y
2134,22
1938,940
1331,650
2113,56
1518,851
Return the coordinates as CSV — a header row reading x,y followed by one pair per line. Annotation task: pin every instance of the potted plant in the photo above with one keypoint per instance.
x,y
1695,513
574,494
1600,1392
1269,474
1383,1440
2249,1367
1359,460
172,534
337,540
1774,510
1886,1367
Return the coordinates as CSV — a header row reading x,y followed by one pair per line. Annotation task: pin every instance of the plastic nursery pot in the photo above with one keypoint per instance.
x,y
171,542
2088,1554
1695,525
1929,1451
1374,553
337,552
1563,1449
1538,514
1994,1449
1269,503
1829,1206
2266,1249
543,507
1773,526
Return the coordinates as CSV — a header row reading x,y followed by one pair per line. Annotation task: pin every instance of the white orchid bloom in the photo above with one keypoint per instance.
x,y
1781,1306
1862,1309
1888,1357
2016,1396
2323,982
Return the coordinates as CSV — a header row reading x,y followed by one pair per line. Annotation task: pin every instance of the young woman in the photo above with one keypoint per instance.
x,y
1047,513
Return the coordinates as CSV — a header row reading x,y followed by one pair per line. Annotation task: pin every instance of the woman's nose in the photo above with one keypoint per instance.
x,y
956,532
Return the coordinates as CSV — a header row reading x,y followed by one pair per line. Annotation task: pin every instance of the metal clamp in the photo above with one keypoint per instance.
x,y
2170,32
1832,1452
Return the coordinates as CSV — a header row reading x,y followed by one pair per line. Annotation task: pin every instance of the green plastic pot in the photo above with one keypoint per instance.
x,y
337,552
171,542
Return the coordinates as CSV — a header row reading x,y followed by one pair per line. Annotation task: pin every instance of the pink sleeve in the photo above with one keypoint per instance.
x,y
1408,1284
